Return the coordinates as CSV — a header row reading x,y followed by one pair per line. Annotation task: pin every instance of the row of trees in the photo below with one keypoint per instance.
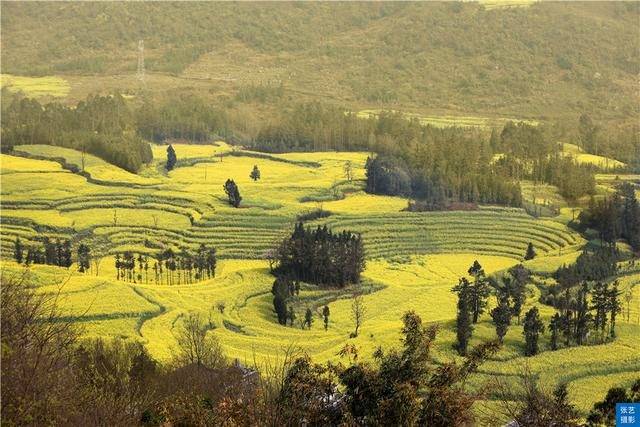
x,y
101,125
320,256
51,252
168,267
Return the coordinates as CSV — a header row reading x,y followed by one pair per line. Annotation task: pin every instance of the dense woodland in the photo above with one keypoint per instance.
x,y
615,217
181,117
101,125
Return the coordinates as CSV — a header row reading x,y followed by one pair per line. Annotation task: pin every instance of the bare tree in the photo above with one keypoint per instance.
x,y
37,355
348,170
628,297
358,312
196,345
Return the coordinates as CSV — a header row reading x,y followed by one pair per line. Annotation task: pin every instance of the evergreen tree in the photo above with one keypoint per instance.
x,y
614,307
517,288
554,326
84,258
171,158
280,291
533,327
308,318
66,260
233,194
531,253
255,173
325,315
600,303
583,317
18,251
479,290
464,325
501,316
291,315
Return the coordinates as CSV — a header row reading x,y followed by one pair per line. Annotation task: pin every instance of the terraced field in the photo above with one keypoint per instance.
x,y
580,156
36,87
413,259
465,121
187,206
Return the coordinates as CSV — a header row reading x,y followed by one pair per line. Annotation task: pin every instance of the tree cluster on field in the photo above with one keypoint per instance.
x,y
584,306
48,251
587,306
167,267
615,217
101,125
473,300
321,256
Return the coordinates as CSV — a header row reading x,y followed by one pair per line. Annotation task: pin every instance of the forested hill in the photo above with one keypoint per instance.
x,y
543,60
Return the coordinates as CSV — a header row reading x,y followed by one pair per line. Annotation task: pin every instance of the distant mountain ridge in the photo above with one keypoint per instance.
x,y
547,59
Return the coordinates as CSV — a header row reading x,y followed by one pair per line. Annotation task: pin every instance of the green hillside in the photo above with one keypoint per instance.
x,y
543,60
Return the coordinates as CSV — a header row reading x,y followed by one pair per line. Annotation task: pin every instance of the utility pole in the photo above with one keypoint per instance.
x,y
140,72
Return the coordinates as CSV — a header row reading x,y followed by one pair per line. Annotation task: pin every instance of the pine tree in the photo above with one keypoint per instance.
x,y
614,307
280,291
464,326
501,316
600,303
66,260
233,194
291,316
84,258
325,315
255,173
308,318
533,327
531,253
18,251
171,158
554,326
517,288
583,317
479,290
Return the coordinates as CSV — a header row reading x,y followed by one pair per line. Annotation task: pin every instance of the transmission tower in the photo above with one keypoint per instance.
x,y
140,72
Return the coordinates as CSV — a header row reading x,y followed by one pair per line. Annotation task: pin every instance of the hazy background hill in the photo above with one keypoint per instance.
x,y
540,61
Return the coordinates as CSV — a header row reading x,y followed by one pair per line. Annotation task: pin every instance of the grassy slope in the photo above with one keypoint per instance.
x,y
548,59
